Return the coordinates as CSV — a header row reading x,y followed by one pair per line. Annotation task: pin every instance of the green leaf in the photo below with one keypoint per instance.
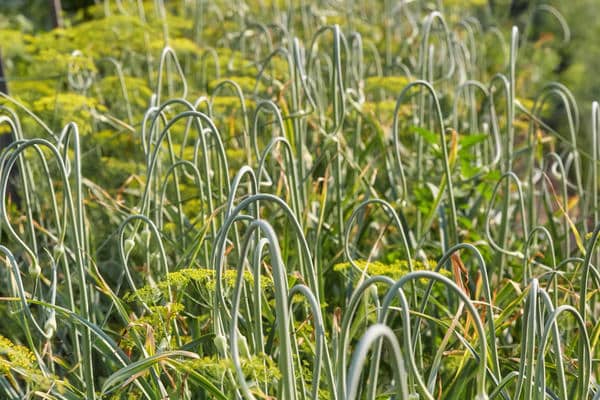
x,y
126,375
467,141
429,136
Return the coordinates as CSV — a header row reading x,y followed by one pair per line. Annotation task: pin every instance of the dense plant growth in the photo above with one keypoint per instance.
x,y
292,200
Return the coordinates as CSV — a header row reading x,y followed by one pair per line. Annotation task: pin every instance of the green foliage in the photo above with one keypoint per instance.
x,y
394,270
260,367
18,364
198,245
202,279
